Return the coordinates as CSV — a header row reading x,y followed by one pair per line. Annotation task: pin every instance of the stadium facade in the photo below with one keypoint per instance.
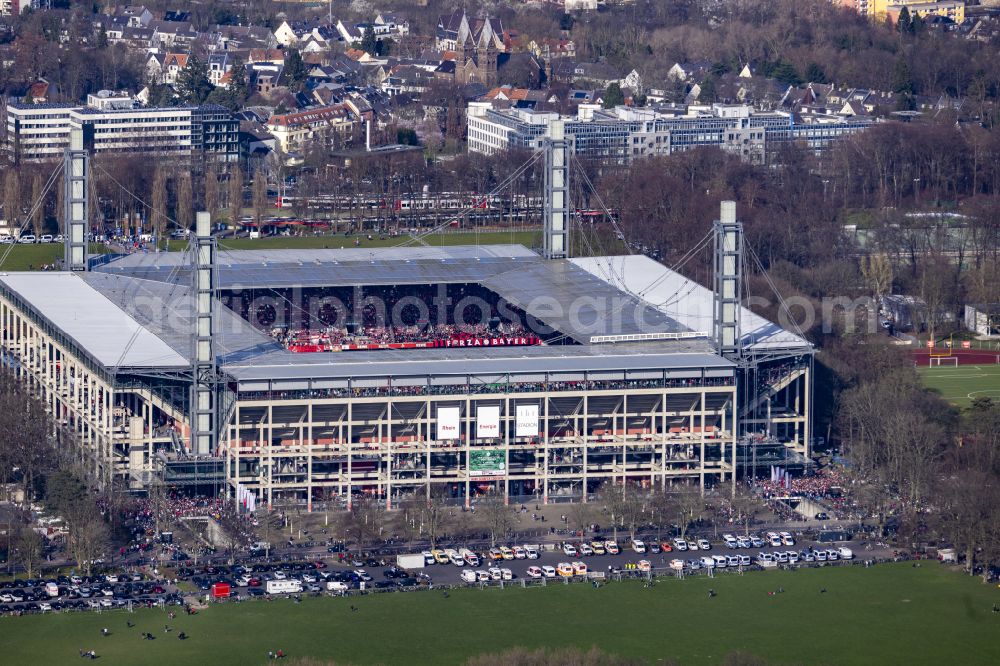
x,y
628,381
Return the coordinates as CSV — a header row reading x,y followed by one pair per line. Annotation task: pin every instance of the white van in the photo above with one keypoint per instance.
x,y
52,589
468,576
707,562
27,238
469,557
845,553
531,552
730,540
336,586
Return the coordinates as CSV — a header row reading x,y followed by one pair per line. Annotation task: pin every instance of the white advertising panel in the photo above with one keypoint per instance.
x,y
526,423
448,423
488,421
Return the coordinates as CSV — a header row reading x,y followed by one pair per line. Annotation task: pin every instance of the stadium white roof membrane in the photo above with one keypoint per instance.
x,y
98,326
135,312
684,300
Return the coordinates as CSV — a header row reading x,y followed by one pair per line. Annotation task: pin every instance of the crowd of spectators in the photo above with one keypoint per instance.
x,y
142,513
825,485
337,338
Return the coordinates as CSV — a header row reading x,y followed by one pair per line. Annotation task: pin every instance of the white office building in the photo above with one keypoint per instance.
x,y
40,132
623,134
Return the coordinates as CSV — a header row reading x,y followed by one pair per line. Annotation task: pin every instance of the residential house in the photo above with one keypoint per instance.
x,y
266,77
173,34
406,79
138,38
155,67
596,73
219,64
689,71
234,37
293,131
135,16
273,56
550,47
173,63
356,32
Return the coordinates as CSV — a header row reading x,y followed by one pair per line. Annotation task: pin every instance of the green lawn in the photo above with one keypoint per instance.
x,y
959,385
527,238
894,614
32,257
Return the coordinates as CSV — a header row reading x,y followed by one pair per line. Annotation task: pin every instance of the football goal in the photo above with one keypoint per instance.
x,y
948,361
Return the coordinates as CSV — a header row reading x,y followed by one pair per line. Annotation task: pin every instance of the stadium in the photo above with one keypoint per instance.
x,y
297,377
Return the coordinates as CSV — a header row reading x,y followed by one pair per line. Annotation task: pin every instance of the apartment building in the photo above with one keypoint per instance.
x,y
952,9
292,131
624,134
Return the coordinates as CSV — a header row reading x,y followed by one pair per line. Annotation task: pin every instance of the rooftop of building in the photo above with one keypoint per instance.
x,y
623,314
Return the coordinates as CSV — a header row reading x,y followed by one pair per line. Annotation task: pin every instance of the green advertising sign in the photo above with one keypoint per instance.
x,y
487,463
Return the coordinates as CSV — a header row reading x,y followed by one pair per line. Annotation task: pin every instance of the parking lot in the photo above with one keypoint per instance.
x,y
455,565
105,592
334,571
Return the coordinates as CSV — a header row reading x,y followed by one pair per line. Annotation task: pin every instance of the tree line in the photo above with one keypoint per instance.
x,y
39,459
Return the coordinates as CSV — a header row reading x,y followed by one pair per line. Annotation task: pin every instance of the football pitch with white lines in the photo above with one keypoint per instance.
x,y
961,384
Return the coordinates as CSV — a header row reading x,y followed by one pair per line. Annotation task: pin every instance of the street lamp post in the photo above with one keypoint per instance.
x,y
916,190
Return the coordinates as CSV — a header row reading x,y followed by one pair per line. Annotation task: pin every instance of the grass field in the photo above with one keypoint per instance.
x,y
893,614
32,257
527,238
960,385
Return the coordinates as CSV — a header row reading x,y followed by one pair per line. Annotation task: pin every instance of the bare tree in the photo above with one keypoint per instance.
x,y
688,507
212,193
408,518
185,201
12,197
580,516
158,204
29,547
877,271
38,212
745,507
435,517
259,197
497,515
88,535
624,505
660,509
235,193
365,522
